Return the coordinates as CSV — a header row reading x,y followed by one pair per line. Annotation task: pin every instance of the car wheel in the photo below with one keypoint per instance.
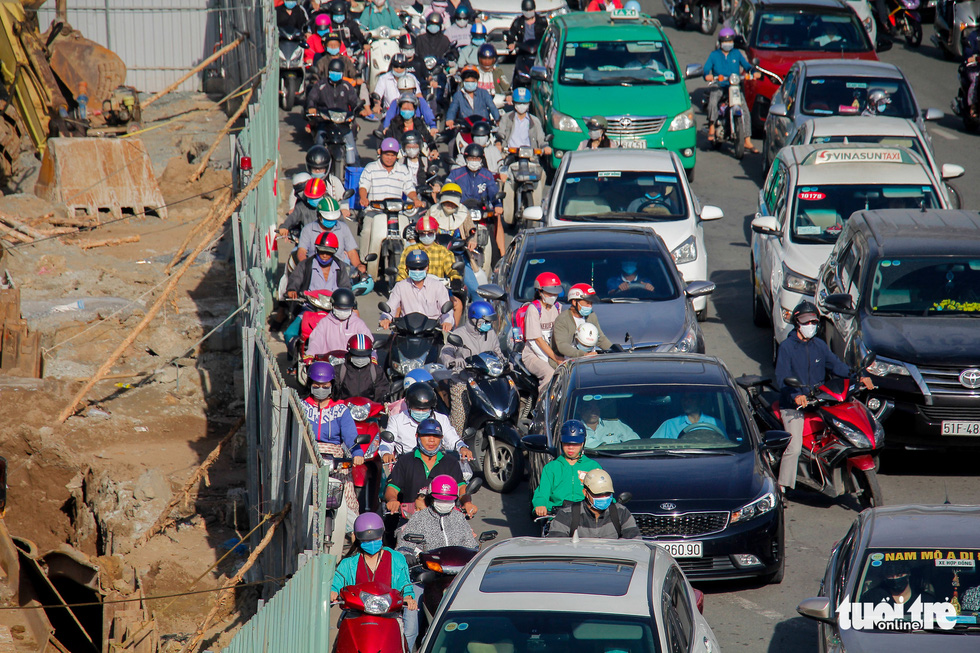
x,y
506,477
776,577
690,174
760,317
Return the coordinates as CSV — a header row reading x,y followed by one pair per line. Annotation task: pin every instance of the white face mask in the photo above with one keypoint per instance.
x,y
443,507
360,361
808,330
548,300
342,314
481,140
474,165
521,108
595,134
412,152
727,46
461,22
529,14
428,239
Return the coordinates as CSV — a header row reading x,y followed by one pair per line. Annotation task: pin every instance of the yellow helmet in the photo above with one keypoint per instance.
x,y
451,192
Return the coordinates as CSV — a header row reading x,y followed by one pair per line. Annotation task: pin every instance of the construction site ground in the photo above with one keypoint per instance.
x,y
101,478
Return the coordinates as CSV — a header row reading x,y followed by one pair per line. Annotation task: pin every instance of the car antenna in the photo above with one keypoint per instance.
x,y
629,341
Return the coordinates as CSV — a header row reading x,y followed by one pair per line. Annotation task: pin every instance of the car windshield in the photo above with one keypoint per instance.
x,y
810,31
616,275
938,575
819,212
621,196
947,285
848,96
910,142
644,420
613,63
543,631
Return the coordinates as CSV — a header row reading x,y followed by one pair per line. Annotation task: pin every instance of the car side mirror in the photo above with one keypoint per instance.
x,y
486,536
952,171
883,44
740,42
699,288
491,291
693,70
533,214
454,340
933,114
384,308
775,440
539,73
818,608
838,303
699,600
387,436
536,443
766,225
778,109
710,212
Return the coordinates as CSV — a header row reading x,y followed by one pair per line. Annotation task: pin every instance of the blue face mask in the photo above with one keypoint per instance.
x,y
322,32
416,275
312,203
582,347
338,18
290,4
433,29
629,270
398,74
407,115
323,260
427,452
600,503
419,415
484,327
585,311
479,41
371,547
333,52
469,87
328,224
334,76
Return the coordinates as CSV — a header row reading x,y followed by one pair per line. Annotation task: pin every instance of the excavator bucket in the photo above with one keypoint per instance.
x,y
77,61
99,179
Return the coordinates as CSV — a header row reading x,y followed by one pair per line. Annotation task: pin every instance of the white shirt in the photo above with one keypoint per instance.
x,y
403,427
387,88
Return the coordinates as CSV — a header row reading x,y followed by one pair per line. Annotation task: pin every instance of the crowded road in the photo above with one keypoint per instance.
x,y
744,615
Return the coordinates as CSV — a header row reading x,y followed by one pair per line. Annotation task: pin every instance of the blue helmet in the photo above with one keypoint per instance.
x,y
429,427
481,309
573,432
487,51
420,375
633,5
478,29
417,259
320,372
521,95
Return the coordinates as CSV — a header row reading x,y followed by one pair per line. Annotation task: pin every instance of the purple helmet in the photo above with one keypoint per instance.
x,y
390,145
320,372
368,526
726,34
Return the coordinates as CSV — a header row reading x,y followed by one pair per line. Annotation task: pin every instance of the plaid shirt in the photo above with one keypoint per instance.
x,y
440,261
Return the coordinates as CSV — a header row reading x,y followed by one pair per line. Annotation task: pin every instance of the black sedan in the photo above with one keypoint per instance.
x,y
655,310
675,432
915,558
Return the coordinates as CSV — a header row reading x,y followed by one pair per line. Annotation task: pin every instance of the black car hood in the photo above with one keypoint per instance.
x,y
930,340
697,482
646,322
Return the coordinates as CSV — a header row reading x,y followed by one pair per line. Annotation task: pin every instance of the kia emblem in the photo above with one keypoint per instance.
x,y
668,506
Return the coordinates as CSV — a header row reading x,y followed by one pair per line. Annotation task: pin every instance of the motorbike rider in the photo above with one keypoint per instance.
x,y
345,26
330,420
492,79
725,61
478,183
334,331
454,218
597,126
561,479
539,323
380,14
386,90
458,32
600,431
482,134
359,375
693,413
334,48
441,524
316,40
406,46
522,129
337,94
969,70
586,338
406,84
324,271
385,177
305,211
330,220
524,35
468,55
807,358
604,5
369,560
627,279
877,102
580,297
433,42
420,399
317,162
408,119
596,516
478,337
470,100
291,15
298,182
440,259
419,293
415,159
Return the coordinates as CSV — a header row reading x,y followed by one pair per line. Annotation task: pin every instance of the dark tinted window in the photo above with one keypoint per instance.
x,y
921,286
810,31
621,195
613,63
848,96
559,575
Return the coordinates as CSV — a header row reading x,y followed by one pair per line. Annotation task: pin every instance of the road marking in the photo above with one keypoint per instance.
x,y
756,608
948,135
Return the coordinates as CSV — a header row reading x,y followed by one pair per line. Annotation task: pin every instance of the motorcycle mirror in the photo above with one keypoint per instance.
x,y
474,485
454,340
693,70
378,134
445,308
624,497
384,308
387,436
362,438
793,382
426,576
469,432
414,538
536,443
459,266
491,291
501,194
868,359
370,258
349,193
486,536
391,271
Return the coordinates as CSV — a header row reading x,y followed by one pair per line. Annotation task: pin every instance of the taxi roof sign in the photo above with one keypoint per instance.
x,y
858,155
624,14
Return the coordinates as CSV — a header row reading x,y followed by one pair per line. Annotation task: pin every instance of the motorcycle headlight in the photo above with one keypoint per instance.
x,y
359,413
374,604
854,436
689,342
755,509
564,123
884,368
686,251
797,282
495,367
682,121
409,364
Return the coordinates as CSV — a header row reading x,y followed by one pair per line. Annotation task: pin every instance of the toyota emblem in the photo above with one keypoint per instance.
x,y
970,378
668,506
625,121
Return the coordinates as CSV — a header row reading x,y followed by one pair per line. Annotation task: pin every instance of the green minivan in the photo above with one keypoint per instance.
x,y
619,65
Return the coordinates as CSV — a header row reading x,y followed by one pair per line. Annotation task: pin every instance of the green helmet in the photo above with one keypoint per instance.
x,y
328,208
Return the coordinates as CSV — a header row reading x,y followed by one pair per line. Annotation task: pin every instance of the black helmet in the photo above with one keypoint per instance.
x,y
317,157
527,5
406,42
473,150
803,308
420,396
435,18
480,128
343,299
398,61
461,13
337,7
411,137
335,66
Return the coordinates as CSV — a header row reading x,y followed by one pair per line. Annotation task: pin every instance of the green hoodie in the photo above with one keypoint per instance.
x,y
562,482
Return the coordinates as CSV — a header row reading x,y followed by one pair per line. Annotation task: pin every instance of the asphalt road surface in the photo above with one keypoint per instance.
x,y
744,615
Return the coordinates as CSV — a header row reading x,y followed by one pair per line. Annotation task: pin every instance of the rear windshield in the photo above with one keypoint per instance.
x,y
623,196
616,275
847,96
560,575
617,63
811,32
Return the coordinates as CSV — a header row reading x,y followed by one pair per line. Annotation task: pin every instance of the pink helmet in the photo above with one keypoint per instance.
x,y
322,21
726,34
444,488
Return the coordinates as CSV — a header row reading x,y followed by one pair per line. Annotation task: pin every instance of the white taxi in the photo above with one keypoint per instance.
x,y
811,190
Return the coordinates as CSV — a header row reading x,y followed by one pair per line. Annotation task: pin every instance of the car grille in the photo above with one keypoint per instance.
x,y
685,525
695,567
939,413
945,381
635,126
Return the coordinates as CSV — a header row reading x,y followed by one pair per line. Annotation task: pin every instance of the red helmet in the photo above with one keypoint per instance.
x,y
359,345
444,488
327,242
581,291
548,282
427,223
315,189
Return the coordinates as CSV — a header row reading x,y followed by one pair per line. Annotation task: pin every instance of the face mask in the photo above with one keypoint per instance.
x,y
461,22
432,29
629,270
443,507
727,46
469,86
360,361
595,134
319,175
478,42
379,3
342,313
474,166
528,14
881,108
320,393
338,18
481,140
406,115
322,32
289,5
427,240
333,51
419,415
484,326
896,585
585,311
427,452
416,275
398,74
335,76
312,203
412,152
328,224
372,547
808,330
449,209
324,260
521,108
582,347
409,53
601,503
549,300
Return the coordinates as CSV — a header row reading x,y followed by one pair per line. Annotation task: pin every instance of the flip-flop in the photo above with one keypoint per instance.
x,y
753,150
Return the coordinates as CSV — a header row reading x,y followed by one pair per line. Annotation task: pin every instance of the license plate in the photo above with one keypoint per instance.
x,y
961,428
633,144
682,549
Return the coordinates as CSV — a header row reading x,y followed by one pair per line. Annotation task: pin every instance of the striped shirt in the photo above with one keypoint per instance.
x,y
382,184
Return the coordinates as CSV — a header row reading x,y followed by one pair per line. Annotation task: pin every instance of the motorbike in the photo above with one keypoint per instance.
x,y
706,14
292,71
370,619
439,95
415,341
961,107
384,45
906,20
954,22
525,178
330,129
382,233
842,437
729,127
367,477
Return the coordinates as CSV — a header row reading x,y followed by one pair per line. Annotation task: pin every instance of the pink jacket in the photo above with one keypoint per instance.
x,y
332,335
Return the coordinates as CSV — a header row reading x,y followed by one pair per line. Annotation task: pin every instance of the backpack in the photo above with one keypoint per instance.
x,y
520,318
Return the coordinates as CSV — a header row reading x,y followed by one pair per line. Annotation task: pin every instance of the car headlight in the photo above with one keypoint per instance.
x,y
564,123
689,342
884,368
359,413
755,509
407,365
686,251
854,436
682,121
374,604
797,282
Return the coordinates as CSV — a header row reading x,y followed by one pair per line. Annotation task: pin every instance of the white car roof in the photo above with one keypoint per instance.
x,y
863,126
851,68
620,159
840,163
514,6
647,558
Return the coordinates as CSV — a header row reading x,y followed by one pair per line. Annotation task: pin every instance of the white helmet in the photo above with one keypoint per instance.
x,y
587,334
300,179
406,83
